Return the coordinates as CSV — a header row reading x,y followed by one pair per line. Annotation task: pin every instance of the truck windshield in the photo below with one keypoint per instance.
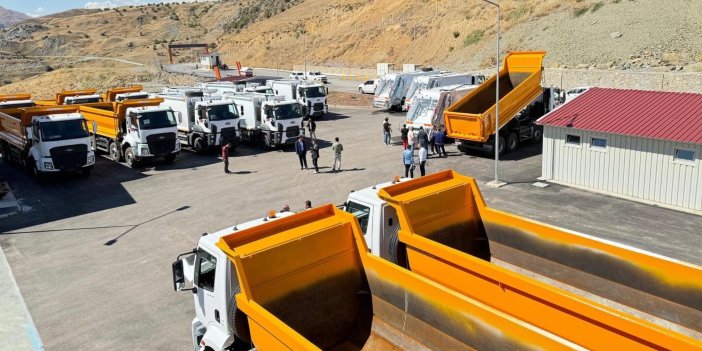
x,y
289,111
315,92
221,112
64,130
154,120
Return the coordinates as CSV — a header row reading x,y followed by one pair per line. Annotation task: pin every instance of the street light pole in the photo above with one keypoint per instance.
x,y
497,183
305,74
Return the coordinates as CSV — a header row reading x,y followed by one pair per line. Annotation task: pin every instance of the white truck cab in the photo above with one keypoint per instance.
x,y
212,279
151,132
268,120
312,96
204,122
60,142
82,99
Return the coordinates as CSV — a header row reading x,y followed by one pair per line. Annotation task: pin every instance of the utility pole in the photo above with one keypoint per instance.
x,y
496,143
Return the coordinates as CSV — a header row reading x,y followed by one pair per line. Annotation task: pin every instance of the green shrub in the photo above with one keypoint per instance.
x,y
580,11
456,34
473,38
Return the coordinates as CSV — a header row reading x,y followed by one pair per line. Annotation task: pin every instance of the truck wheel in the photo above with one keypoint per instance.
x,y
39,175
360,90
512,142
169,158
129,158
238,321
5,153
115,153
501,150
398,250
537,134
198,145
264,142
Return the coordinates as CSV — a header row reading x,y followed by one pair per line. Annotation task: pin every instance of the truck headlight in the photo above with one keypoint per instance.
x,y
48,165
91,159
144,150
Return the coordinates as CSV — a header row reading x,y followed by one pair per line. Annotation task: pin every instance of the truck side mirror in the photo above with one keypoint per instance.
x,y
178,275
180,116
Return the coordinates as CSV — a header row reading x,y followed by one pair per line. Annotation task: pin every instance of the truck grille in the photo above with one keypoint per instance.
x,y
319,106
228,134
161,144
69,156
292,131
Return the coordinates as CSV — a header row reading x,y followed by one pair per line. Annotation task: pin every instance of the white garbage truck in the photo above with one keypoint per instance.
x,y
312,96
439,80
267,120
392,90
428,107
204,122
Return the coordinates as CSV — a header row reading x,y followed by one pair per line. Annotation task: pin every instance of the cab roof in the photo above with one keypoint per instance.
x,y
211,239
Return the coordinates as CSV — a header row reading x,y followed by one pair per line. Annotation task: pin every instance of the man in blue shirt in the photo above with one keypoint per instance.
x,y
408,161
301,151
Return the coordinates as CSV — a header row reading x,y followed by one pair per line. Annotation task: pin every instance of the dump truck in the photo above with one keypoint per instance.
x,y
439,80
125,93
523,100
204,122
306,281
72,97
134,130
311,96
16,101
266,120
428,107
558,280
47,140
392,89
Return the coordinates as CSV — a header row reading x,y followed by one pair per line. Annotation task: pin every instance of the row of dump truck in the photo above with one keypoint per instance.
x,y
465,104
425,264
130,125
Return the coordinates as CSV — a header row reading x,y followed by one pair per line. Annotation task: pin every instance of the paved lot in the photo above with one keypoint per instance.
x,y
92,256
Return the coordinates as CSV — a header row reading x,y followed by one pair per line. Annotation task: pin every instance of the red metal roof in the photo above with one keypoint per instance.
x,y
648,114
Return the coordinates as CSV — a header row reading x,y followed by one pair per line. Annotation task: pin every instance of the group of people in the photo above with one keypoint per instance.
x,y
419,138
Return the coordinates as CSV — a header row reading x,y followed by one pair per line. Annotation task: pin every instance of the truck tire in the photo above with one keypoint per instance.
x,y
264,142
129,158
115,152
501,150
5,153
39,175
397,249
537,134
198,145
512,142
169,158
238,321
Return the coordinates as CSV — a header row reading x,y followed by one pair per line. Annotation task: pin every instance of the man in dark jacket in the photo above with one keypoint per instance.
x,y
312,126
301,151
439,141
403,134
423,138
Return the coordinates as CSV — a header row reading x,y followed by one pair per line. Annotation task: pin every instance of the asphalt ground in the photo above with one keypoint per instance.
x,y
92,257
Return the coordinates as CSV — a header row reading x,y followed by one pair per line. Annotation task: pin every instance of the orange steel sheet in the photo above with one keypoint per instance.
x,y
428,205
15,97
280,259
473,116
110,95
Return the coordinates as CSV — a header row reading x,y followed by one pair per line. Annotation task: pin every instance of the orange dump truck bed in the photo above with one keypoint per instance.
x,y
453,238
110,95
473,117
109,115
61,97
15,97
308,282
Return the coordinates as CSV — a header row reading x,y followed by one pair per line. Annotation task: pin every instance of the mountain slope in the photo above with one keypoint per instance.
x,y
8,17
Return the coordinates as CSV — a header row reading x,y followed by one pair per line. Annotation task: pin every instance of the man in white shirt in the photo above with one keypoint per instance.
x,y
422,159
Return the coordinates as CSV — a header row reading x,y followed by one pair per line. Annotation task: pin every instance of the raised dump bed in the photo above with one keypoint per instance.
x,y
308,282
472,118
453,238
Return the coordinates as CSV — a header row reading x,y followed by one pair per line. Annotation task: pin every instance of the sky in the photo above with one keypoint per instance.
x,y
37,8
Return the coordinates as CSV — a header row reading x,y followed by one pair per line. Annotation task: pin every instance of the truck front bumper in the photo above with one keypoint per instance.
x,y
49,165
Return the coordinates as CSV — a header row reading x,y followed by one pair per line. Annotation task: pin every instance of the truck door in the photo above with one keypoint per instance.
x,y
204,280
362,212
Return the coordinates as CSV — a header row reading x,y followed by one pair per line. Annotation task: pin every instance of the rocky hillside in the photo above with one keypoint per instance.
x,y
8,17
453,34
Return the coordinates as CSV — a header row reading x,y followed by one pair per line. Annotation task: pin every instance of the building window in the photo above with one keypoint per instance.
x,y
572,139
684,155
598,143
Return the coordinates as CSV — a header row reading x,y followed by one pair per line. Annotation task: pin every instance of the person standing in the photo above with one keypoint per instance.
x,y
439,141
315,155
301,150
312,127
337,148
411,140
423,154
432,146
422,138
225,156
408,161
386,131
403,134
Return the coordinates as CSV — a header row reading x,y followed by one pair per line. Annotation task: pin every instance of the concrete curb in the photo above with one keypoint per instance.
x,y
17,329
